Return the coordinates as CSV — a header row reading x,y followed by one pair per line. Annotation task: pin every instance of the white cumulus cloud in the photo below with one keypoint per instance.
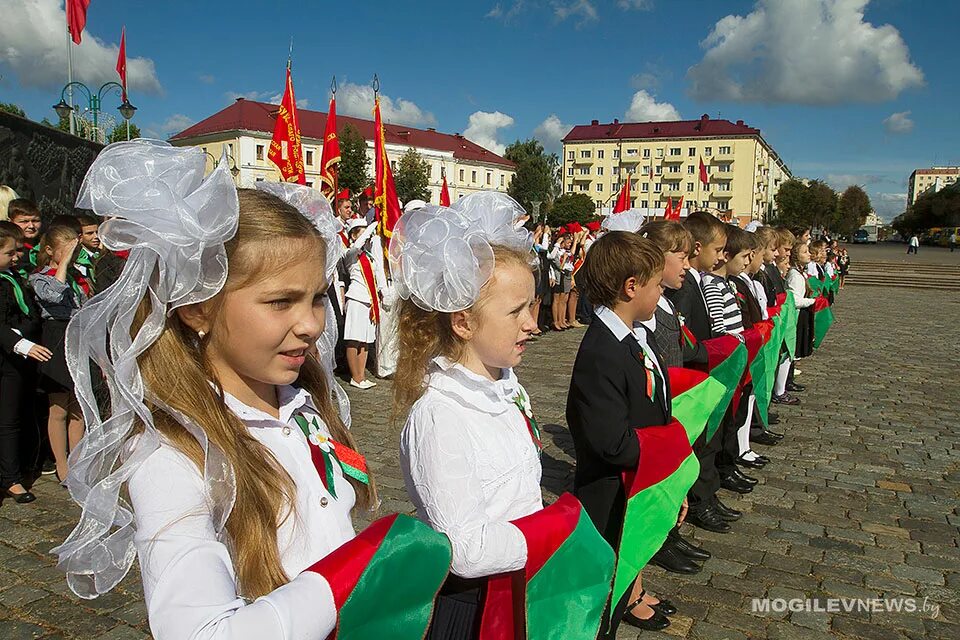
x,y
639,5
33,48
550,132
804,52
582,10
357,100
841,181
645,108
483,127
169,127
498,12
899,122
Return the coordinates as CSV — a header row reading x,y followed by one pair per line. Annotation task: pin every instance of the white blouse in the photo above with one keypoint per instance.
x,y
189,582
798,285
470,467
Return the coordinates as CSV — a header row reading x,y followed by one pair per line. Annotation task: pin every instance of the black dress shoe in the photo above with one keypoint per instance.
x,y
772,418
665,607
21,498
732,484
765,438
726,513
687,548
656,622
753,464
709,520
795,387
739,475
670,559
786,399
778,436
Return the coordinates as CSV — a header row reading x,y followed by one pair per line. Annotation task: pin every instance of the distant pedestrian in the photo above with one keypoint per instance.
x,y
953,240
914,245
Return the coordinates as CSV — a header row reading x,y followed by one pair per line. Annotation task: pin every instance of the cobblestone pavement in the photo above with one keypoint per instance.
x,y
860,500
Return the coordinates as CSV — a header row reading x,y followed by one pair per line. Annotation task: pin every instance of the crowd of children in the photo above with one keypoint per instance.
x,y
217,452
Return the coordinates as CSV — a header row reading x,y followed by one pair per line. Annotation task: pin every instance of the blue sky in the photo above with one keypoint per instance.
x,y
851,91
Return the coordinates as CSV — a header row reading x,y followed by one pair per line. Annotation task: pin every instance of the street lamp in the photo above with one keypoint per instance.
x,y
94,100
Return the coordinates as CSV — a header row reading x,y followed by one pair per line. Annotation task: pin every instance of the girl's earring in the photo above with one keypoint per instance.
x,y
201,334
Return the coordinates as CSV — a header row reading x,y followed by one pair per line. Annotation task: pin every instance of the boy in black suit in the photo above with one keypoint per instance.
x,y
709,240
619,384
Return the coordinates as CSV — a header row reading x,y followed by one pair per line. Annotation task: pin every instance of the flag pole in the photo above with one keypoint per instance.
x,y
73,129
336,169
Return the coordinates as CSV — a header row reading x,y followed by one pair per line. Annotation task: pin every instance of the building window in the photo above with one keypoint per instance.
x,y
723,186
692,152
570,155
660,152
646,153
473,177
489,178
691,169
674,186
656,187
599,171
599,154
570,171
705,204
659,170
645,187
616,154
230,149
689,186
584,171
585,153
644,204
599,203
674,168
260,179
724,168
461,175
675,151
570,188
632,152
708,151
260,149
503,179
599,187
723,151
615,186
616,171
393,166
309,183
584,187
309,158
723,206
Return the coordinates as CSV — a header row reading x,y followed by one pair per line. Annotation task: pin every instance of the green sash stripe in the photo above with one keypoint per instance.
x,y
728,373
821,324
17,292
789,314
693,407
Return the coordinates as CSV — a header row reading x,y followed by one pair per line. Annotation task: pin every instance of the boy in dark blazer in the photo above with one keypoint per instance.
x,y
619,384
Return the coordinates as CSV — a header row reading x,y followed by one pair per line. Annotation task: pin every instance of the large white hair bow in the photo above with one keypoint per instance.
x,y
174,223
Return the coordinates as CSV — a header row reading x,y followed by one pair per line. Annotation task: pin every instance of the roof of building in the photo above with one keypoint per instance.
x,y
250,115
617,130
948,171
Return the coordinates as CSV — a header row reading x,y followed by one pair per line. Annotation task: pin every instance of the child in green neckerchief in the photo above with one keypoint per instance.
x,y
25,214
89,246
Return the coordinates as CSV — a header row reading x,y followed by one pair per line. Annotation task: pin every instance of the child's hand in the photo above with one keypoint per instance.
x,y
40,353
65,252
683,512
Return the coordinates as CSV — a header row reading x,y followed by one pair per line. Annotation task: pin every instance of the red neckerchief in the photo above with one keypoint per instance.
x,y
367,269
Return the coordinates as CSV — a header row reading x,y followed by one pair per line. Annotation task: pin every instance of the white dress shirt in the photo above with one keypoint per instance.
x,y
620,331
797,283
470,466
758,292
189,582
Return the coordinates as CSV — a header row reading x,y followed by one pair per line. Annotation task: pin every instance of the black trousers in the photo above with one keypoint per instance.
x,y
707,484
19,434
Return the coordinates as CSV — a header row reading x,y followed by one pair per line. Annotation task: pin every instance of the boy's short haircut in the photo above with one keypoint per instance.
x,y
87,220
612,260
704,227
9,230
766,236
21,207
786,237
65,220
738,241
669,235
798,231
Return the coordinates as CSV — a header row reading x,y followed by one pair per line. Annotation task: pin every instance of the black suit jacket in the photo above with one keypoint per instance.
x,y
12,317
749,306
777,283
688,302
606,402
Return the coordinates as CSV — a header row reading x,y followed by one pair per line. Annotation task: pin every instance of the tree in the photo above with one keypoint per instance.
x,y
811,205
852,210
413,177
352,172
823,205
535,174
9,107
940,209
571,207
63,124
119,132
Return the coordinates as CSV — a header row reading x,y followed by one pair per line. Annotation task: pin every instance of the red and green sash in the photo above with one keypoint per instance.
x,y
75,281
17,292
85,259
695,395
789,314
561,592
816,284
822,319
327,453
764,366
385,580
726,361
366,267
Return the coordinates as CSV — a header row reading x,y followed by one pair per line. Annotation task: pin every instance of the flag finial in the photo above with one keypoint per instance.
x,y
333,86
376,84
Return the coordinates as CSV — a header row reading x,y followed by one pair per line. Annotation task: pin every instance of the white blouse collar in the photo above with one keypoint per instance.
x,y
456,381
292,399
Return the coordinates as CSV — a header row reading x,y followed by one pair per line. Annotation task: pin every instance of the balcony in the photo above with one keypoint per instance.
x,y
723,157
586,178
672,177
717,176
581,161
721,195
674,160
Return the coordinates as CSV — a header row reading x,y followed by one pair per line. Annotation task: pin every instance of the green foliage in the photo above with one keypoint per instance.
x,y
535,178
852,210
352,173
413,177
571,207
62,123
940,209
799,205
9,107
119,132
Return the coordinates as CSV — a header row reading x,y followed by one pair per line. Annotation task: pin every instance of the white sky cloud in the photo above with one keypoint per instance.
x,y
899,122
483,128
357,100
804,52
33,47
499,12
645,108
889,205
639,5
841,181
550,131
581,10
172,125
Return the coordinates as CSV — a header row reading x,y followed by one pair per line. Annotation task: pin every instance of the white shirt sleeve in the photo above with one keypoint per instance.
x,y
798,285
443,476
23,346
189,583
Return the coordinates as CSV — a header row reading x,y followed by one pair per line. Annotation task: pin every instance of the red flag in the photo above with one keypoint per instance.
x,y
285,150
330,157
703,173
674,213
76,18
444,192
623,200
385,192
122,62
668,212
651,171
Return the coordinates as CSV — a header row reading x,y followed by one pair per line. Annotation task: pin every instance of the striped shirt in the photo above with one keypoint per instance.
x,y
721,297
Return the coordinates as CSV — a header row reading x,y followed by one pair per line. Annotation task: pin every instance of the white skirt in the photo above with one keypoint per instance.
x,y
357,324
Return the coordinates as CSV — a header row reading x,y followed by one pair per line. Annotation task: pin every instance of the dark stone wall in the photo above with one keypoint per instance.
x,y
43,164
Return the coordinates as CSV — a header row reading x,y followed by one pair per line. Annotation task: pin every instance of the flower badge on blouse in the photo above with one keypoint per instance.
x,y
526,410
